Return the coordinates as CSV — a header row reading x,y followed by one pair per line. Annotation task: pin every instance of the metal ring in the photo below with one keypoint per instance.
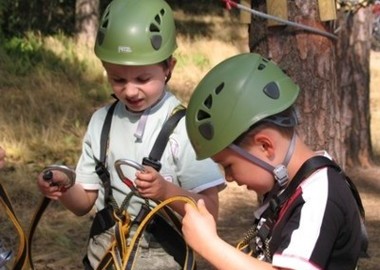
x,y
70,173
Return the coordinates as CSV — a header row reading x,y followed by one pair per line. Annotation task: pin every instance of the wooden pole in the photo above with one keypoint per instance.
x,y
278,8
245,17
327,10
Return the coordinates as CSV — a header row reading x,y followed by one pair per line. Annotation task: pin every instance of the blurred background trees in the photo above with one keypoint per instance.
x,y
334,73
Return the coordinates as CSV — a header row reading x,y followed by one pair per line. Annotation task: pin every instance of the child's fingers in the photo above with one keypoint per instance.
x,y
202,206
189,207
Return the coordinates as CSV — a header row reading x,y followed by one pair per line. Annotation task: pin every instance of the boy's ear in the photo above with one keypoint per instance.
x,y
265,143
172,63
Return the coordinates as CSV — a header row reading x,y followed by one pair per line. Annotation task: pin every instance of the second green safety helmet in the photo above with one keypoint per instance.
x,y
136,32
233,96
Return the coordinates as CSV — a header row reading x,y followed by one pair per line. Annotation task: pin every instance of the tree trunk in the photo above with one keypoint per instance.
x,y
310,59
353,68
86,21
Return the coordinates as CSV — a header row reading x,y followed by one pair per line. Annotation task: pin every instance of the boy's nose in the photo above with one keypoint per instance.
x,y
131,90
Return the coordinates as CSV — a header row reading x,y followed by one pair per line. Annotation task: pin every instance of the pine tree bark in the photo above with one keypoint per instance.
x,y
86,21
333,75
354,81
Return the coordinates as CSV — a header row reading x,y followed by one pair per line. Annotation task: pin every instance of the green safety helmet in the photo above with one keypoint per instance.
x,y
234,95
136,33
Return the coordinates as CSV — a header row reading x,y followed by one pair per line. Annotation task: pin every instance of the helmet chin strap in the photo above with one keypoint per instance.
x,y
280,172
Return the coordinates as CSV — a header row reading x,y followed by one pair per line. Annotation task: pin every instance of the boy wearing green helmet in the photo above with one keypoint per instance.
x,y
242,115
135,42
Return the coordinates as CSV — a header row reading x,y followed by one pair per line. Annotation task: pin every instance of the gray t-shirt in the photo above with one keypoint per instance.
x,y
179,164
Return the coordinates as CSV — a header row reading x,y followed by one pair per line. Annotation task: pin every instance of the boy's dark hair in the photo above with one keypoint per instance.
x,y
285,122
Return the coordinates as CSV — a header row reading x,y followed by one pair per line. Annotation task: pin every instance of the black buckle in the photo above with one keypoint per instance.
x,y
156,164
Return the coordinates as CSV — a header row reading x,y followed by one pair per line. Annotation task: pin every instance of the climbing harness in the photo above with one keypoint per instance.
x,y
160,220
230,3
256,241
121,254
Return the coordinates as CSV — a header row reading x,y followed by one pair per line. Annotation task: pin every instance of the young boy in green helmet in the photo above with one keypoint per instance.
x,y
135,42
241,115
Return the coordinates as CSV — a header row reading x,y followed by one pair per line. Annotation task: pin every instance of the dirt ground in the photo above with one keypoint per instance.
x,y
65,251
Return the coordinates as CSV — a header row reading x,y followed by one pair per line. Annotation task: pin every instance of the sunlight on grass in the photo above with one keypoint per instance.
x,y
194,59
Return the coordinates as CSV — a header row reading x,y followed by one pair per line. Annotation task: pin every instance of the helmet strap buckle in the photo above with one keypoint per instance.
x,y
281,175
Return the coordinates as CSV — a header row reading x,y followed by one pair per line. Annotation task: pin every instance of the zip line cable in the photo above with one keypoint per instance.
x,y
230,4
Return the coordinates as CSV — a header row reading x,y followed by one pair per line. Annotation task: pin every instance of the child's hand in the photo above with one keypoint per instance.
x,y
150,184
51,183
2,157
198,225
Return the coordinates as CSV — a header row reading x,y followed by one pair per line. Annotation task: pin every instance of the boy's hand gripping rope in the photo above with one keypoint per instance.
x,y
122,252
230,4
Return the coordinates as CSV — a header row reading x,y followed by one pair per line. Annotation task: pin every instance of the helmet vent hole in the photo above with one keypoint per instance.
x,y
202,115
156,42
261,66
158,19
219,88
272,90
154,28
100,38
207,131
162,12
208,102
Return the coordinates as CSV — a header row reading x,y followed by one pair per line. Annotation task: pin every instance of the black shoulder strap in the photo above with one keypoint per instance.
x,y
275,203
311,165
155,155
306,169
103,220
105,132
100,167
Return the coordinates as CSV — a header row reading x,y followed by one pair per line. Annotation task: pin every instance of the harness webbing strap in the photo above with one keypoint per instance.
x,y
22,256
162,139
270,214
311,165
100,168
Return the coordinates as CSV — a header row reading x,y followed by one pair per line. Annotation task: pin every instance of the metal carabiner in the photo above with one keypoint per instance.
x,y
70,173
126,180
4,257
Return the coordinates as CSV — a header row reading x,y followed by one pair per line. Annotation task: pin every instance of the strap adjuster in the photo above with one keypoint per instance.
x,y
281,175
156,164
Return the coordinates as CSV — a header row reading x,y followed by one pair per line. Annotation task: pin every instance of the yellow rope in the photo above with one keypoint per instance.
x,y
124,253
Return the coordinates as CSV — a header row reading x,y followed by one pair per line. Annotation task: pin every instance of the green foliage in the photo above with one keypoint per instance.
x,y
47,17
26,52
